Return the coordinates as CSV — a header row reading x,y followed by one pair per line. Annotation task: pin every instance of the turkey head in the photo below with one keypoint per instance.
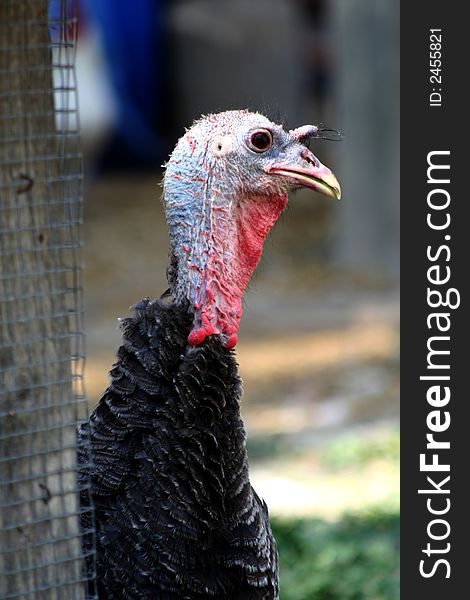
x,y
225,185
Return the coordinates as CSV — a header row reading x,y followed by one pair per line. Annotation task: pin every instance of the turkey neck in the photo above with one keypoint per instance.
x,y
216,241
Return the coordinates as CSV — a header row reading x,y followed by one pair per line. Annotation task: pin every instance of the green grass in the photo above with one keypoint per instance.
x,y
355,452
355,558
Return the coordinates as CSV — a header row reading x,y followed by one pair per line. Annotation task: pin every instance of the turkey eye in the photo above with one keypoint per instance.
x,y
260,141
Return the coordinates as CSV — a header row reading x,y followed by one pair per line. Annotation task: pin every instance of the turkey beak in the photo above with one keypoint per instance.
x,y
308,171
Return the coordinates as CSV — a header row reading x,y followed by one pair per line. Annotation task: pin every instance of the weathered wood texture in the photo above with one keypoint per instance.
x,y
40,549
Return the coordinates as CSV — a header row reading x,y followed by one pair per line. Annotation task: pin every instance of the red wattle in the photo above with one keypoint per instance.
x,y
197,336
234,247
231,341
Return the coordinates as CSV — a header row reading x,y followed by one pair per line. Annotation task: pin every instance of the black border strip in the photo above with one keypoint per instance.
x,y
426,128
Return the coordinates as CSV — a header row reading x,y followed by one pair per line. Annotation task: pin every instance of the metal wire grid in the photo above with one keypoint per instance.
x,y
41,320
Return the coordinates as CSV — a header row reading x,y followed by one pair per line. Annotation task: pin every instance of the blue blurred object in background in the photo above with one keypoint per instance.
x,y
132,40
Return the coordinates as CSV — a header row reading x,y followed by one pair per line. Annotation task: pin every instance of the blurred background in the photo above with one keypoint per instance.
x,y
318,347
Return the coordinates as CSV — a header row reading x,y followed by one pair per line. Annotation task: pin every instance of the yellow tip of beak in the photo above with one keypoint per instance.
x,y
331,186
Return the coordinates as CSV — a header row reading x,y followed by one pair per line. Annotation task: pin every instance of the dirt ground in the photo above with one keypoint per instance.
x,y
318,347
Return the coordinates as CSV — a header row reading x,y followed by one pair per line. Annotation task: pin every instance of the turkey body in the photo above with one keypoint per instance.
x,y
174,511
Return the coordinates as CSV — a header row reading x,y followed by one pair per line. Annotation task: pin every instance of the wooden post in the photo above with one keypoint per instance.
x,y
365,36
40,547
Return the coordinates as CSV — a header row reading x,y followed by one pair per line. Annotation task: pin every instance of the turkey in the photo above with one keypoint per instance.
x,y
175,514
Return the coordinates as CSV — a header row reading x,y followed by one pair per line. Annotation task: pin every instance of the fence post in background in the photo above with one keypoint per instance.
x,y
40,305
365,37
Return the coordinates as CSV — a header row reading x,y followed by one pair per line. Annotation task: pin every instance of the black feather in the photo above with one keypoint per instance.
x,y
175,514
324,133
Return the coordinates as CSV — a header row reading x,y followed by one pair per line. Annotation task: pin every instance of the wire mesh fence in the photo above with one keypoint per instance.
x,y
41,339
